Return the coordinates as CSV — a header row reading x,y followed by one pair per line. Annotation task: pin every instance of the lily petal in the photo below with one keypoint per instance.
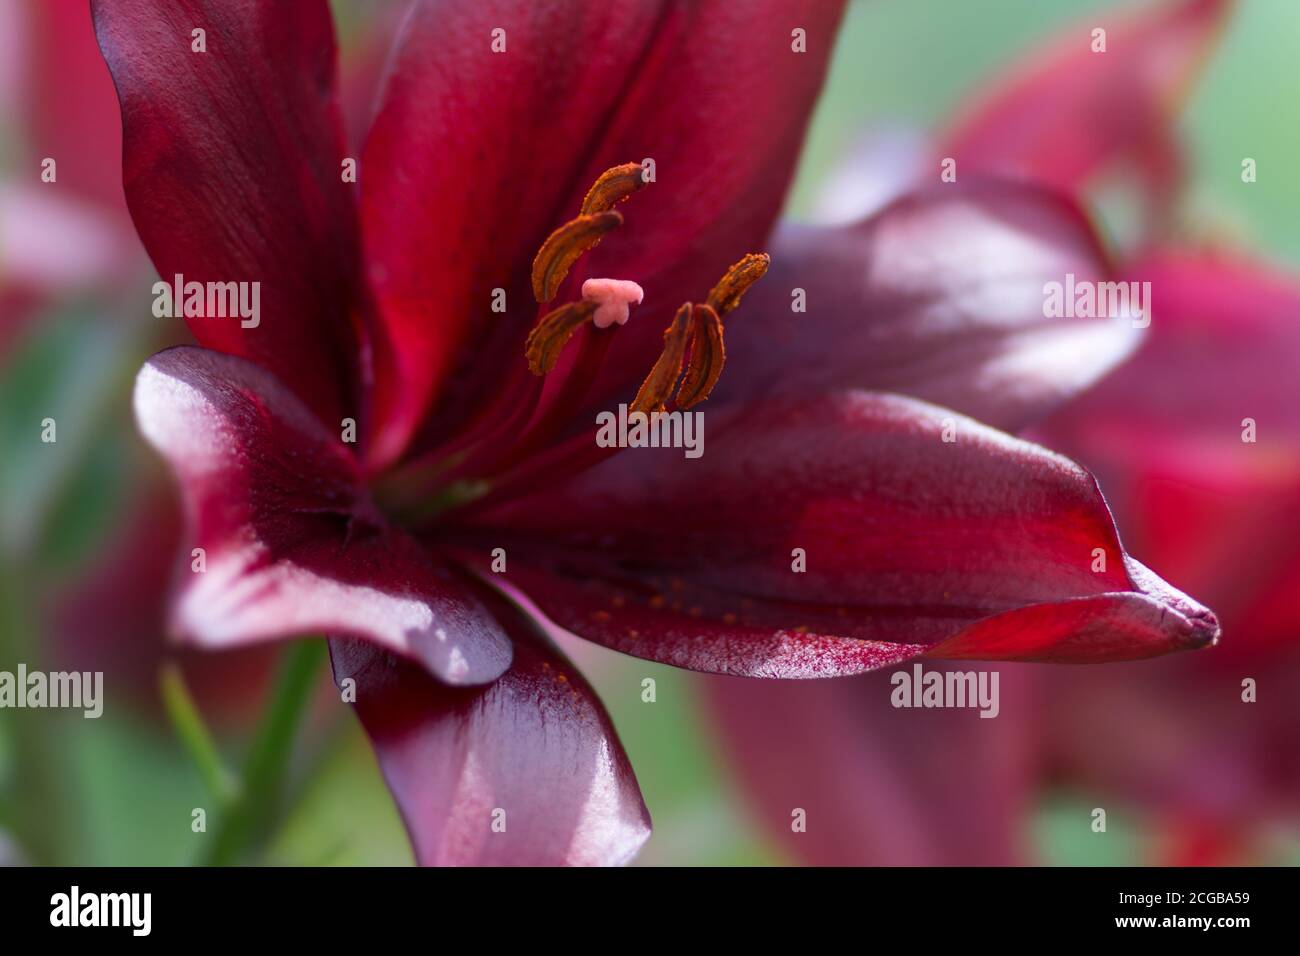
x,y
231,164
572,89
526,772
940,296
984,546
1067,113
291,546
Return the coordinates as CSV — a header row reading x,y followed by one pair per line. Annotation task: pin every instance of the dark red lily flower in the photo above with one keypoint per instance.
x,y
377,308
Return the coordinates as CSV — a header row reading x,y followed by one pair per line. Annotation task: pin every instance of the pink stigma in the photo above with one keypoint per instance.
x,y
612,298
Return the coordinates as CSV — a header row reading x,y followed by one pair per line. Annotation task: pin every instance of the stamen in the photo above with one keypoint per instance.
x,y
725,296
613,298
658,385
607,302
708,353
565,246
552,333
613,187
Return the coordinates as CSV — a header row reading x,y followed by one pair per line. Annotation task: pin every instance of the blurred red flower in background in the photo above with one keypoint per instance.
x,y
59,242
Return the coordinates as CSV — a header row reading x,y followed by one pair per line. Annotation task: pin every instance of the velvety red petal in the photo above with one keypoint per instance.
x,y
231,163
984,546
1068,112
292,544
1153,618
526,772
940,296
1166,433
880,785
477,155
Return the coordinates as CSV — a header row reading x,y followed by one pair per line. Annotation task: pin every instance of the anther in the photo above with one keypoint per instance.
x,y
700,328
708,353
565,246
552,333
658,385
725,296
613,187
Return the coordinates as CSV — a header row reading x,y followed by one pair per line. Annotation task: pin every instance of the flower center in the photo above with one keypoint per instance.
x,y
694,351
519,443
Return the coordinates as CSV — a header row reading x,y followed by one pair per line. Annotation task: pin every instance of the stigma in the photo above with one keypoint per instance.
x,y
694,350
614,299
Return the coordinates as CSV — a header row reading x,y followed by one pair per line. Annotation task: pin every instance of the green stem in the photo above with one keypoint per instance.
x,y
194,734
257,805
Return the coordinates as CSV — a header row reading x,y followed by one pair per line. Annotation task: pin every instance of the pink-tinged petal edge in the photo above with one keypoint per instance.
x,y
291,543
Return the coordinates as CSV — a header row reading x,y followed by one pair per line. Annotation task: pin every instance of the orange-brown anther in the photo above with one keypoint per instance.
x,y
658,385
708,353
725,296
552,333
614,185
565,246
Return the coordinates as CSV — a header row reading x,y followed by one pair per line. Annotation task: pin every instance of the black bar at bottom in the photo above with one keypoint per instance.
x,y
368,906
